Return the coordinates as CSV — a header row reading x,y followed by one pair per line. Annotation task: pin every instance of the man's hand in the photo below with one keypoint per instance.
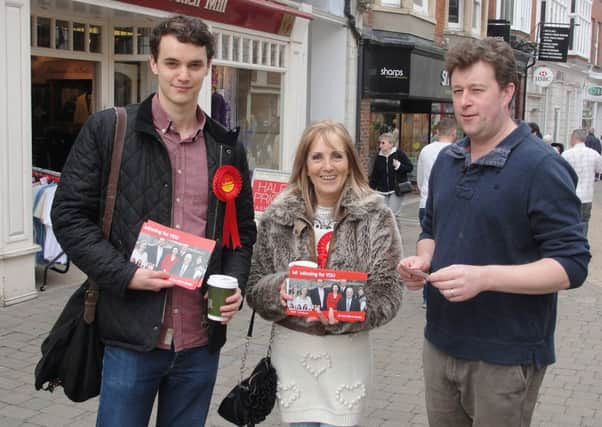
x,y
459,282
149,280
411,279
396,164
231,307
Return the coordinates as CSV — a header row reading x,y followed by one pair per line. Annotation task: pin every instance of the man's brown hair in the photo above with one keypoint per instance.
x,y
494,52
187,30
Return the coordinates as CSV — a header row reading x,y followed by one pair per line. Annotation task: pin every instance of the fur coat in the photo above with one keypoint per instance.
x,y
365,239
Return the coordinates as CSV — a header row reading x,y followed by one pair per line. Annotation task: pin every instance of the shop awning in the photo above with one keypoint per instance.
x,y
260,15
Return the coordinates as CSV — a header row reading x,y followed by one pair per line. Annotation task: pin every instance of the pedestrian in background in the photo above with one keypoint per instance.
x,y
587,163
591,141
500,237
391,167
327,187
535,130
447,133
158,340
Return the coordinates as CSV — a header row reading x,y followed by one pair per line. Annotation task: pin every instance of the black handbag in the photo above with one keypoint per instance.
x,y
403,188
72,352
253,398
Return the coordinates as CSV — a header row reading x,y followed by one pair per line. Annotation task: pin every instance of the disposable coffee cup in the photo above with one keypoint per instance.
x,y
220,287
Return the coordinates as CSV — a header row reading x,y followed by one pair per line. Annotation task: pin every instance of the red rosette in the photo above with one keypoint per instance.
x,y
323,245
227,184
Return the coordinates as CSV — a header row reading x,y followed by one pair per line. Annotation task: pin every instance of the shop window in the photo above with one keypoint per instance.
x,y
274,55
225,46
43,31
251,100
61,30
255,51
143,37
124,40
95,32
246,51
79,37
236,48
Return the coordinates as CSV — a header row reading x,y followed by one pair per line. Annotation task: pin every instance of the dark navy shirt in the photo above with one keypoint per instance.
x,y
515,205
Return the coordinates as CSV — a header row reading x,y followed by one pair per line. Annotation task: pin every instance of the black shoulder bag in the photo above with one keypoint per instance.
x,y
72,352
253,398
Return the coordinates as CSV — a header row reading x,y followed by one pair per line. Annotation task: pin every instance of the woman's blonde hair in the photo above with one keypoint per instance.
x,y
329,131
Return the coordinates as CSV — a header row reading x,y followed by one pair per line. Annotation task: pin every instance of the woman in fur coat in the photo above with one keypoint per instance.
x,y
328,214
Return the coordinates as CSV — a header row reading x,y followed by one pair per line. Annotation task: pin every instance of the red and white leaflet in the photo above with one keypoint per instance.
x,y
183,255
318,290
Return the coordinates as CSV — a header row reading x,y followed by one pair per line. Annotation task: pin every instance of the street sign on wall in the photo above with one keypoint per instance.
x,y
543,76
554,42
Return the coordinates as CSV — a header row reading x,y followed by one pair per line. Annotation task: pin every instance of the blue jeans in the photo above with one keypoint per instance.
x,y
131,380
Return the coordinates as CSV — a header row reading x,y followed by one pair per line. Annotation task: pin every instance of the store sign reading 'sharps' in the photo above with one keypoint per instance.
x,y
387,71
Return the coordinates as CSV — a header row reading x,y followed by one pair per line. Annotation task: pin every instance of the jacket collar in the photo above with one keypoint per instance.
x,y
496,157
144,123
289,207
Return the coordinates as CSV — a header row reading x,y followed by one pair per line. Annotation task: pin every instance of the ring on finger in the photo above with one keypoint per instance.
x,y
451,293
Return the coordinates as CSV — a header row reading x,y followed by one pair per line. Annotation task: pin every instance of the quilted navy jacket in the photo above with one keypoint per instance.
x,y
127,318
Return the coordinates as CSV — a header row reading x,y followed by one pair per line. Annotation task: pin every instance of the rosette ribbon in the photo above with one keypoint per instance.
x,y
323,246
227,183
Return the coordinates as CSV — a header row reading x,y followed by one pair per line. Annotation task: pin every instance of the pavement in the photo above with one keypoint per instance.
x,y
571,394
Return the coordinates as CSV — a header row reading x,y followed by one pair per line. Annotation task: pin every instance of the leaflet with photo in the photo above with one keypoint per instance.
x,y
183,255
318,290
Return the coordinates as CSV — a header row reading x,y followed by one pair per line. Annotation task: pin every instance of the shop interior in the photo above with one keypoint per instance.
x,y
413,124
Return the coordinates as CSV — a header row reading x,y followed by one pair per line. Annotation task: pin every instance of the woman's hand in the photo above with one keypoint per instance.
x,y
284,297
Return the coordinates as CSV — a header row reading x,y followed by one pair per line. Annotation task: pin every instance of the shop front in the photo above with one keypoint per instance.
x,y
68,59
405,91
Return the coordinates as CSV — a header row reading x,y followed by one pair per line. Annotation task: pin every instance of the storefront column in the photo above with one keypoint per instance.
x,y
17,264
294,96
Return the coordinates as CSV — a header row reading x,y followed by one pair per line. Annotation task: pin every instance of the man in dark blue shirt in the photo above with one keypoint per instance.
x,y
502,234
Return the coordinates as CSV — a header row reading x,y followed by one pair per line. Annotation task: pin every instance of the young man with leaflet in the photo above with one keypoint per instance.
x,y
157,337
501,236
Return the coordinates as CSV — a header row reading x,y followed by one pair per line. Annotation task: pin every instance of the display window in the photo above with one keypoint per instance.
x,y
411,130
251,100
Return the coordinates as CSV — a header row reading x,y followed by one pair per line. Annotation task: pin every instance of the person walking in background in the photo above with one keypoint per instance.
x,y
587,163
158,339
327,186
591,141
447,133
391,167
500,237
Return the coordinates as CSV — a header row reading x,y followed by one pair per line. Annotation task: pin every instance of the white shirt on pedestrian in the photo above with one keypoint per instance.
x,y
586,162
426,160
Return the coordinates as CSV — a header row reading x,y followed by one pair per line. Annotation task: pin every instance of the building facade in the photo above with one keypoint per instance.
x,y
62,60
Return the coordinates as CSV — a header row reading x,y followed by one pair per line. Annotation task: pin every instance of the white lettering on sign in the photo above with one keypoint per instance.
x,y
194,3
444,78
217,5
387,72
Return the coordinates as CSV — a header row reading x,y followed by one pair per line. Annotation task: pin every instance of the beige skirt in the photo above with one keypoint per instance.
x,y
322,378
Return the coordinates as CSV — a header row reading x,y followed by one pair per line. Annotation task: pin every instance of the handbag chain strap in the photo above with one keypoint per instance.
x,y
91,297
248,341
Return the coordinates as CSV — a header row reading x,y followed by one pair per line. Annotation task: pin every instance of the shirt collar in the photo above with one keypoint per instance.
x,y
496,157
164,125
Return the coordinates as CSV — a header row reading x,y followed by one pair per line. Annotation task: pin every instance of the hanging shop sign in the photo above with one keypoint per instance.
x,y
499,29
543,76
260,15
594,91
387,70
554,43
